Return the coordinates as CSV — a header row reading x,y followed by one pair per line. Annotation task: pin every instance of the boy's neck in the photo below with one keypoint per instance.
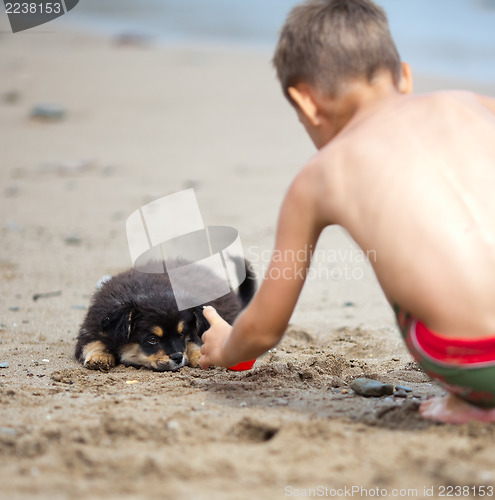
x,y
359,99
324,116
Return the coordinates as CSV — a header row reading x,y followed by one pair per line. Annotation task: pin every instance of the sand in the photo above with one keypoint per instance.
x,y
145,121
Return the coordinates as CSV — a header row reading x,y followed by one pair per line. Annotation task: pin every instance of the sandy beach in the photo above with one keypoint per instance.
x,y
139,122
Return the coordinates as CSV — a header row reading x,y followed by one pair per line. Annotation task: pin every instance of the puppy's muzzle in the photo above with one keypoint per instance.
x,y
177,361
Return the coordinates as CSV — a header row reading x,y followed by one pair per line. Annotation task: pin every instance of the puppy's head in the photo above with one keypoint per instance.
x,y
157,339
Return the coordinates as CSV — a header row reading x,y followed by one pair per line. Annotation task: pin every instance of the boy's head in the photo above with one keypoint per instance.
x,y
327,43
334,55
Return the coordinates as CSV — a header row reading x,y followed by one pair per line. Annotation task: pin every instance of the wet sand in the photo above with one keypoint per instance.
x,y
140,122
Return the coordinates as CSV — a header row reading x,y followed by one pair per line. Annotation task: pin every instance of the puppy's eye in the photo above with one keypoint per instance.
x,y
152,339
180,328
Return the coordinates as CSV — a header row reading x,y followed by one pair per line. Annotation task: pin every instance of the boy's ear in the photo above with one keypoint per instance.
x,y
303,96
406,81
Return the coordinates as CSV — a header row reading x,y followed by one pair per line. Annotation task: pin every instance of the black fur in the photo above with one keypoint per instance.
x,y
133,318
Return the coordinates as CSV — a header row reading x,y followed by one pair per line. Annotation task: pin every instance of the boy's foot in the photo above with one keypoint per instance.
x,y
452,410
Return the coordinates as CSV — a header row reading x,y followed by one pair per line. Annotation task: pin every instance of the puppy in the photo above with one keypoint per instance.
x,y
133,319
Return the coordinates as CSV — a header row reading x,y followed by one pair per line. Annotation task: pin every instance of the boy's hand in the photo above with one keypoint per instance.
x,y
214,339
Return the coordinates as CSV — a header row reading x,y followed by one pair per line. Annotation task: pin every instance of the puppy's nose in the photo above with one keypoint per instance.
x,y
177,357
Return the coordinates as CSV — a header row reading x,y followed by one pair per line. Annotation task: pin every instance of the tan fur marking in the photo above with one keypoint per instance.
x,y
96,356
180,327
157,331
159,357
193,354
132,353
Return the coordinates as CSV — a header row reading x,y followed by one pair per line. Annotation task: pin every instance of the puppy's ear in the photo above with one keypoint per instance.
x,y
201,324
118,324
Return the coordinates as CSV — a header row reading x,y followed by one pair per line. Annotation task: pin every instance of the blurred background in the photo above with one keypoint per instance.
x,y
454,39
120,102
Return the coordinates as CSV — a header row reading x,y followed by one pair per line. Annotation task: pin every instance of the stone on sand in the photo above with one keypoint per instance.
x,y
371,388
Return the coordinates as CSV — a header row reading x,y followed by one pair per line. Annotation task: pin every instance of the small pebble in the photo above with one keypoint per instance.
x,y
131,382
73,240
14,308
48,112
344,391
400,394
8,431
11,96
191,183
108,170
13,226
12,190
243,404
46,295
349,304
173,425
130,39
4,365
371,388
281,402
403,388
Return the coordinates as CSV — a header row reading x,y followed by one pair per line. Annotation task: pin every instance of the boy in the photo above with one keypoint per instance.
x,y
409,177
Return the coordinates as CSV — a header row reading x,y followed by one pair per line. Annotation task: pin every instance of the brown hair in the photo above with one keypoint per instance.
x,y
326,43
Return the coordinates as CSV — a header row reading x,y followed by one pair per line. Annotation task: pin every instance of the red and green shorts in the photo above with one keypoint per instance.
x,y
463,366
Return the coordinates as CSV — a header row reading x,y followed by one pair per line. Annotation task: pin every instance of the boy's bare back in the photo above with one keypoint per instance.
x,y
409,177
403,164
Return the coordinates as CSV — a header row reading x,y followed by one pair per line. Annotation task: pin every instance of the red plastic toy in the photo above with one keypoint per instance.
x,y
245,365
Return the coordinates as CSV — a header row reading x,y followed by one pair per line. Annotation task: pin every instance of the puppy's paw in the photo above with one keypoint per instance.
x,y
96,357
193,354
102,362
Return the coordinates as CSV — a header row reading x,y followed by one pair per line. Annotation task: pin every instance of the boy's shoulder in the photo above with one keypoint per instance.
x,y
382,122
382,135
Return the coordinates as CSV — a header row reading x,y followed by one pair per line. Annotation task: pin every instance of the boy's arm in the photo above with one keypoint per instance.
x,y
262,324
